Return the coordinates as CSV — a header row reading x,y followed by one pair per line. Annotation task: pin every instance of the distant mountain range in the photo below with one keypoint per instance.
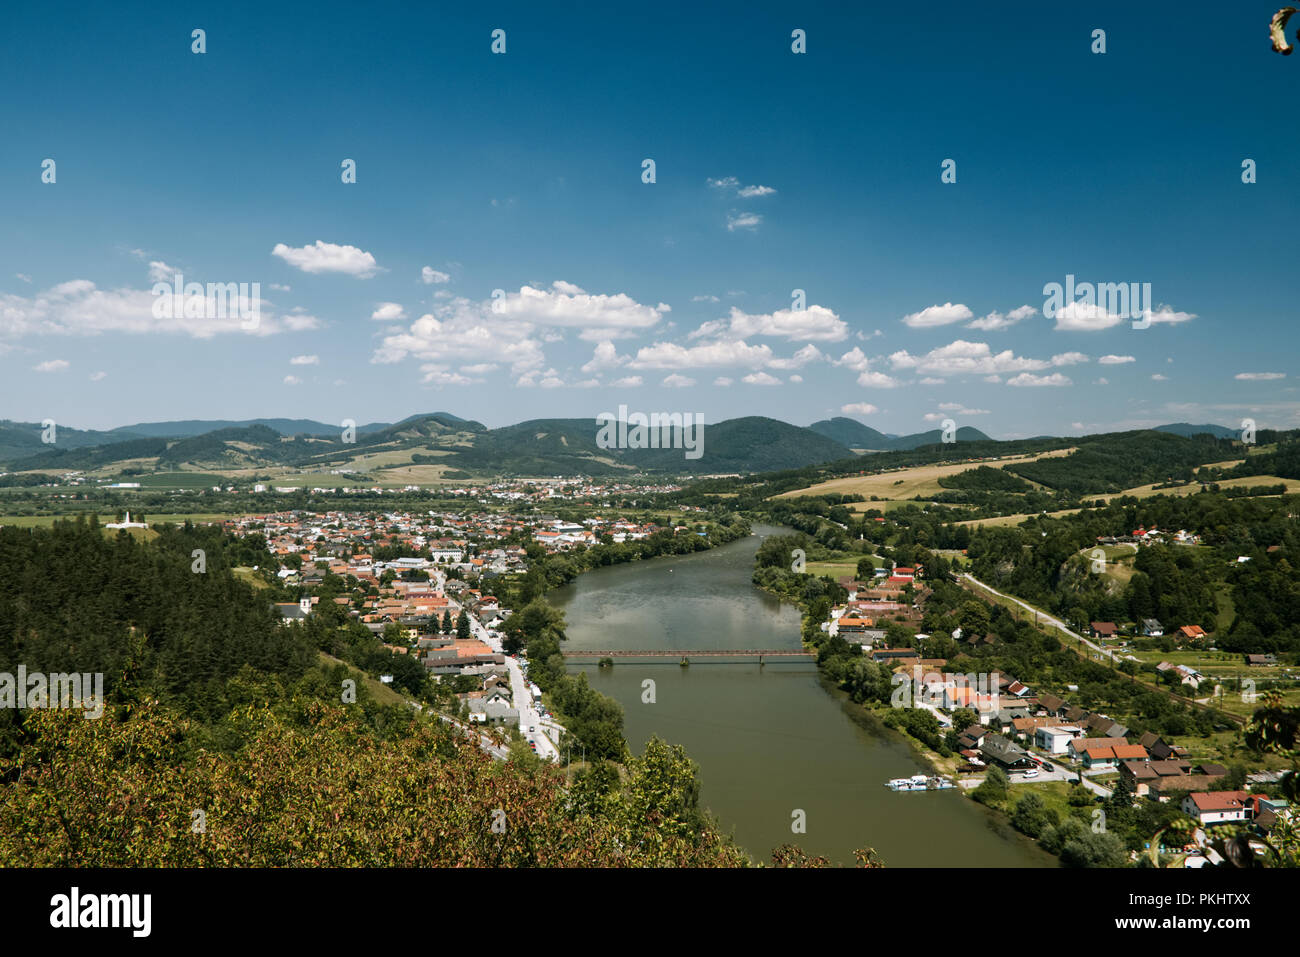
x,y
1185,430
855,435
464,446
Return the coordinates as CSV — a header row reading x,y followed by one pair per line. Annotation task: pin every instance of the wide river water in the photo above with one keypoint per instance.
x,y
770,740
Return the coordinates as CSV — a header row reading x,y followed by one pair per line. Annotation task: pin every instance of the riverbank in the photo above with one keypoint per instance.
x,y
775,747
883,719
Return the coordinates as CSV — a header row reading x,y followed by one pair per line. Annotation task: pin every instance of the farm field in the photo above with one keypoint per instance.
x,y
44,521
908,483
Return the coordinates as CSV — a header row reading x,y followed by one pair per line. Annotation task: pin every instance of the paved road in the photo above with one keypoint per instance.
x,y
485,742
520,695
1058,773
1044,618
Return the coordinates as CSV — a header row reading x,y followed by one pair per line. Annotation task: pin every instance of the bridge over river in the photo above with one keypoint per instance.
x,y
687,654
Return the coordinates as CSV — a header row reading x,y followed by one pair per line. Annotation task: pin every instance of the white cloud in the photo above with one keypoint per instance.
x,y
1029,379
26,278
305,361
877,380
1259,376
796,379
931,380
737,220
676,381
723,381
732,184
388,312
854,359
52,365
605,356
995,320
79,308
437,374
292,380
705,299
809,353
429,276
567,305
512,328
966,358
466,332
323,257
1166,314
280,287
761,378
859,408
932,316
628,382
670,355
1085,317
1069,358
98,376
550,379
299,322
480,368
160,272
815,323
1113,360
1157,377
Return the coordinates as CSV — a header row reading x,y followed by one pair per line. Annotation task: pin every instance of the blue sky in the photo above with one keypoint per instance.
x,y
774,171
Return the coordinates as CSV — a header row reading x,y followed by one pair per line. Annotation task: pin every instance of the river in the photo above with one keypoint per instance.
x,y
769,740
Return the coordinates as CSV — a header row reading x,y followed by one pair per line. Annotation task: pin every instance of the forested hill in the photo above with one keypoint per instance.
x,y
214,705
74,599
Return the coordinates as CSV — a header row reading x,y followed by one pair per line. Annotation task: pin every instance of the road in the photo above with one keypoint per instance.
x,y
485,742
531,724
1058,773
1044,618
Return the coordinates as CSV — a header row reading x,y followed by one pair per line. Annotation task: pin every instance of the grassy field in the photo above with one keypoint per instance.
x,y
378,690
902,484
836,570
170,480
1146,491
45,521
245,573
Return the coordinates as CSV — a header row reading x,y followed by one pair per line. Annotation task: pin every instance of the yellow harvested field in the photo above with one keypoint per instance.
x,y
909,483
1002,520
1146,491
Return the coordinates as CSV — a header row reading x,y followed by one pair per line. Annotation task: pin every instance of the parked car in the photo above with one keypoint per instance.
x,y
1031,773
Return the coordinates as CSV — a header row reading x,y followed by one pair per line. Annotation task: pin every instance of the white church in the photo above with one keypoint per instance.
x,y
127,524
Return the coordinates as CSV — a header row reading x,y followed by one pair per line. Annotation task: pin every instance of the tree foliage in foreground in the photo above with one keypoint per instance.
x,y
124,791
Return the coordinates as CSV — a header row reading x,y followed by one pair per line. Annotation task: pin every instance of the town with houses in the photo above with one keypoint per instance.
x,y
425,597
1042,736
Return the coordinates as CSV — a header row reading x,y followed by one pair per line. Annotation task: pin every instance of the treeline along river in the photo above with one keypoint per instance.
x,y
769,740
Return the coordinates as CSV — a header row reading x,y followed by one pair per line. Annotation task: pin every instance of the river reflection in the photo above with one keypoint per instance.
x,y
769,740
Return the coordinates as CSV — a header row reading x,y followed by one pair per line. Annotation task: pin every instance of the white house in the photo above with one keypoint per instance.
x,y
1215,807
1056,739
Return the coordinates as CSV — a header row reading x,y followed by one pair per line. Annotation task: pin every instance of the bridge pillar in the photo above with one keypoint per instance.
x,y
685,663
